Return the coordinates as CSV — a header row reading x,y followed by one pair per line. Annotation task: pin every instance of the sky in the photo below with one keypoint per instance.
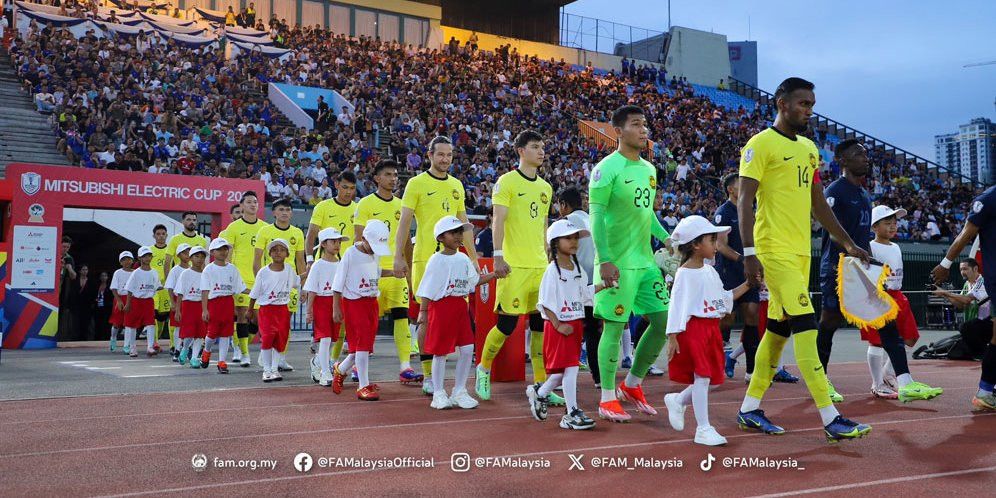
x,y
891,69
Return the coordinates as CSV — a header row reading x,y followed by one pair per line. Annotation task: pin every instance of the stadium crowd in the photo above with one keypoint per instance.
x,y
146,103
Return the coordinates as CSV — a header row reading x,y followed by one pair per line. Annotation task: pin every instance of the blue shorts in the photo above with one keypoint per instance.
x,y
828,288
732,279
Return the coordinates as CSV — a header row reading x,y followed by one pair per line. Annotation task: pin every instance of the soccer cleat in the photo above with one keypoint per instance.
x,y
675,411
267,376
428,389
538,405
747,377
655,372
834,395
316,369
555,400
755,420
626,363
708,436
337,379
195,363
884,392
730,367
918,391
440,401
184,356
206,358
222,367
482,385
576,420
367,394
156,348
283,366
355,375
635,395
984,403
783,375
375,387
326,380
462,399
612,410
246,361
410,377
842,428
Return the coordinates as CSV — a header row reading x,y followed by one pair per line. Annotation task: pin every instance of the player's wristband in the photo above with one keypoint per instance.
x,y
946,263
749,251
309,258
498,254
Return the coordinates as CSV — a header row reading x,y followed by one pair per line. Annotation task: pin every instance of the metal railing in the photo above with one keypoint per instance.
x,y
608,37
844,132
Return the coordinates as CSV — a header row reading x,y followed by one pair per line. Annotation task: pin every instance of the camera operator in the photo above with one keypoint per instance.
x,y
974,301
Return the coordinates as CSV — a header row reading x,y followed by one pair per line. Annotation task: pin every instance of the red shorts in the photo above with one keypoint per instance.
x,y
700,352
361,317
117,316
449,326
142,314
762,318
173,322
561,351
222,312
191,324
413,308
274,326
323,325
905,322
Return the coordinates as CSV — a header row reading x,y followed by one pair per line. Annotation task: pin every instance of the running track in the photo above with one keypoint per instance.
x,y
134,445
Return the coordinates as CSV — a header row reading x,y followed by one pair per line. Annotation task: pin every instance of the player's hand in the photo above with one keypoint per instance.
x,y
309,317
501,267
178,315
423,317
254,316
400,268
205,316
609,274
565,329
337,315
859,253
672,347
753,271
126,308
940,274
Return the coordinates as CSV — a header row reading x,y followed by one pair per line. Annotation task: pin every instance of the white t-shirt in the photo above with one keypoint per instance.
x,y
697,292
320,277
566,293
978,291
221,281
172,277
142,284
119,280
357,275
188,285
448,275
273,287
891,255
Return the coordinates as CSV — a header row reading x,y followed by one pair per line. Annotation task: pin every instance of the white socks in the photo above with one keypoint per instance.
x,y
438,374
607,394
632,380
627,344
130,335
552,381
275,361
362,367
570,383
750,404
876,362
324,352
904,379
739,350
223,348
195,352
464,363
697,395
346,364
152,335
266,357
828,413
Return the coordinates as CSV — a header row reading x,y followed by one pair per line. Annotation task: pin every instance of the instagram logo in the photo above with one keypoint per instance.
x,y
460,462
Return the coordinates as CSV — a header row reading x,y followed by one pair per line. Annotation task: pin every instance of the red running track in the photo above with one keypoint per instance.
x,y
142,444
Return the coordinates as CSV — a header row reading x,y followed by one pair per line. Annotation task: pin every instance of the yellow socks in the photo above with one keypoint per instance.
x,y
808,359
173,342
536,356
427,368
766,362
492,345
337,347
402,340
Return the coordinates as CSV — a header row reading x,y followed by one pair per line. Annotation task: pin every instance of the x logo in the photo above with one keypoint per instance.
x,y
576,461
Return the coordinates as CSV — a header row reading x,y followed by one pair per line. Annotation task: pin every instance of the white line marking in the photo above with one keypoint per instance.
x,y
519,455
146,375
893,480
103,368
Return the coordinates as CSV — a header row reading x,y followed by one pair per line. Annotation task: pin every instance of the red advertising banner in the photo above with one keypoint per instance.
x,y
510,364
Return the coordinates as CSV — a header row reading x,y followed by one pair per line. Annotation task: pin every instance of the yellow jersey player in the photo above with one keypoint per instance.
x,y
383,205
428,197
780,168
241,234
188,236
521,200
282,229
162,298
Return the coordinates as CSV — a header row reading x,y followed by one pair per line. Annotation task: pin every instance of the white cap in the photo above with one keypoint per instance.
x,y
692,227
276,242
447,223
563,228
329,234
376,234
142,251
197,250
125,254
218,244
182,247
880,212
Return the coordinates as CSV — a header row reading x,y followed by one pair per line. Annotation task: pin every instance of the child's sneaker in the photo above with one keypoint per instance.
x,y
246,361
367,394
184,356
195,363
133,354
326,380
175,355
537,404
149,353
675,411
428,389
355,375
440,401
316,369
337,379
205,358
222,367
410,377
635,395
613,410
237,355
884,392
462,399
708,436
284,366
576,420
655,372
267,376
276,376
114,342
627,363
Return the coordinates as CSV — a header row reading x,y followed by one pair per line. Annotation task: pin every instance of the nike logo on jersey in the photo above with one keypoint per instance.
x,y
376,214
787,158
521,194
628,181
430,193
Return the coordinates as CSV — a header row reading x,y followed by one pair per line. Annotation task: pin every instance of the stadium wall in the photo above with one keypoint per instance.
x,y
701,57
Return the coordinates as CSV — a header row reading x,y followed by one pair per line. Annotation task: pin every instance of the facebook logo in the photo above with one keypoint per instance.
x,y
303,462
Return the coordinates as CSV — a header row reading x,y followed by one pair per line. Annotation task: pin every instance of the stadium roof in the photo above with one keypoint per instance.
x,y
541,3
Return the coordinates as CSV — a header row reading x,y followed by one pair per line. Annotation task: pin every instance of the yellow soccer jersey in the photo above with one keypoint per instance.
x,y
786,169
431,198
374,207
242,236
292,234
330,214
528,202
159,260
182,238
